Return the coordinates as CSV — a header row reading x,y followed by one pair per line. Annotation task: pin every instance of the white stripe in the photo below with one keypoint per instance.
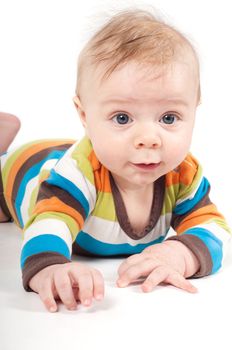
x,y
191,195
27,197
4,158
111,232
49,226
67,168
49,164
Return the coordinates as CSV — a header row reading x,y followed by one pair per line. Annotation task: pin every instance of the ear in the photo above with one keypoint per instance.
x,y
80,110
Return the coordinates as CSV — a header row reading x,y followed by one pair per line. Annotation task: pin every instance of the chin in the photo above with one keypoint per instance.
x,y
143,181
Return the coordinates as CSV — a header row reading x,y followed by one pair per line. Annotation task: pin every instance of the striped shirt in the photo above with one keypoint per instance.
x,y
67,202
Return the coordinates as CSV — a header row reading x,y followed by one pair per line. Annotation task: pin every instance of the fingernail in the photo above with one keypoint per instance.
x,y
194,290
87,302
72,308
99,297
52,308
121,283
146,287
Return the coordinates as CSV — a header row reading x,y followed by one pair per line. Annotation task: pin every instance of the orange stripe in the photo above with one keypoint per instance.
x,y
188,170
101,174
22,158
172,178
54,204
32,149
198,217
184,173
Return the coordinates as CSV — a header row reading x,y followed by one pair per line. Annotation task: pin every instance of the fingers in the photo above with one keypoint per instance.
x,y
164,274
84,281
132,269
90,284
132,260
179,281
71,283
46,295
64,289
133,272
98,283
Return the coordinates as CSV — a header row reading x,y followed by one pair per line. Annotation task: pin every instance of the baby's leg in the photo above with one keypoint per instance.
x,y
9,126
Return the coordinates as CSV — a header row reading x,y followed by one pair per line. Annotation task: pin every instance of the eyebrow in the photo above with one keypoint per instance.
x,y
119,100
175,101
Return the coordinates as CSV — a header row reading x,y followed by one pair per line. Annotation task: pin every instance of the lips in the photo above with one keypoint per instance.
x,y
145,166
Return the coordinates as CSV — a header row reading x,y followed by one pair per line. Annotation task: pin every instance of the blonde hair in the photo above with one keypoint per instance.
x,y
133,35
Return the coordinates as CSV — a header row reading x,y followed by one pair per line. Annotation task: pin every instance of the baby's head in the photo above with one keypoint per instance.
x,y
137,91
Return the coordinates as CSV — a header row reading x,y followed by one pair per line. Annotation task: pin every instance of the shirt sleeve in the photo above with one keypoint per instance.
x,y
64,201
198,223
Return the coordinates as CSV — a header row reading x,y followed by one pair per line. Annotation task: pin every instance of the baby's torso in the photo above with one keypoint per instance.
x,y
113,226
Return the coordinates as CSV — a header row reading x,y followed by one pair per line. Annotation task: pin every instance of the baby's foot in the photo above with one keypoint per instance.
x,y
9,126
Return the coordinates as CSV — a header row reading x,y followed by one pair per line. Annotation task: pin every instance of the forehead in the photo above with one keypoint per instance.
x,y
144,82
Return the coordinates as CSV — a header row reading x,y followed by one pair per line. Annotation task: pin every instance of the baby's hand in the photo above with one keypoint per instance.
x,y
68,282
165,262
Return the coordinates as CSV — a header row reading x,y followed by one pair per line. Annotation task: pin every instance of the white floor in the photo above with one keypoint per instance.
x,y
166,318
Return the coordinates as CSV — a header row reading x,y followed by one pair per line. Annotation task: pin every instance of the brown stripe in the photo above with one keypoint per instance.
x,y
3,204
78,250
47,191
156,209
200,250
177,219
37,262
35,158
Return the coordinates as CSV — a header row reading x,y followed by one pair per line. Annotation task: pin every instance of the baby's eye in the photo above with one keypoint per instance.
x,y
169,119
121,118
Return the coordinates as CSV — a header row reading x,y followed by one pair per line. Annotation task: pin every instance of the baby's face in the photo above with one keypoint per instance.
x,y
141,124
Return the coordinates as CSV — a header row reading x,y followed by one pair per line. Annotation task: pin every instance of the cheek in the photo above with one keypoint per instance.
x,y
178,149
107,151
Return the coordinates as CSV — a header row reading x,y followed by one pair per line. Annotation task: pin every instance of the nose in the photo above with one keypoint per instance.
x,y
147,139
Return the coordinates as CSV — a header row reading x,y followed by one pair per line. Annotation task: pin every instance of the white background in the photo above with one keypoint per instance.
x,y
39,45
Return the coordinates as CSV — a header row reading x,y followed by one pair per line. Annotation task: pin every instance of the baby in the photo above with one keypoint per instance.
x,y
119,189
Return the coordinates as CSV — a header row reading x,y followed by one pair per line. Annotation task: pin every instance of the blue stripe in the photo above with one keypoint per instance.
x,y
213,244
187,205
85,241
44,244
70,187
30,174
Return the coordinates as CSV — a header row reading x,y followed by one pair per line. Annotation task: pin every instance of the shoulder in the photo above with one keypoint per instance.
x,y
82,157
187,173
82,153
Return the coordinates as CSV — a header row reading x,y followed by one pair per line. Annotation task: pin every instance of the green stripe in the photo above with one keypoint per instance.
x,y
68,220
104,207
33,197
186,190
170,198
80,155
221,223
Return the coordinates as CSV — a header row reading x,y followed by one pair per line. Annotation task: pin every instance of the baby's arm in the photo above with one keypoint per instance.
x,y
65,199
69,282
201,231
170,262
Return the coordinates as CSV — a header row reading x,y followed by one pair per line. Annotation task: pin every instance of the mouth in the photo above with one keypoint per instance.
x,y
145,166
